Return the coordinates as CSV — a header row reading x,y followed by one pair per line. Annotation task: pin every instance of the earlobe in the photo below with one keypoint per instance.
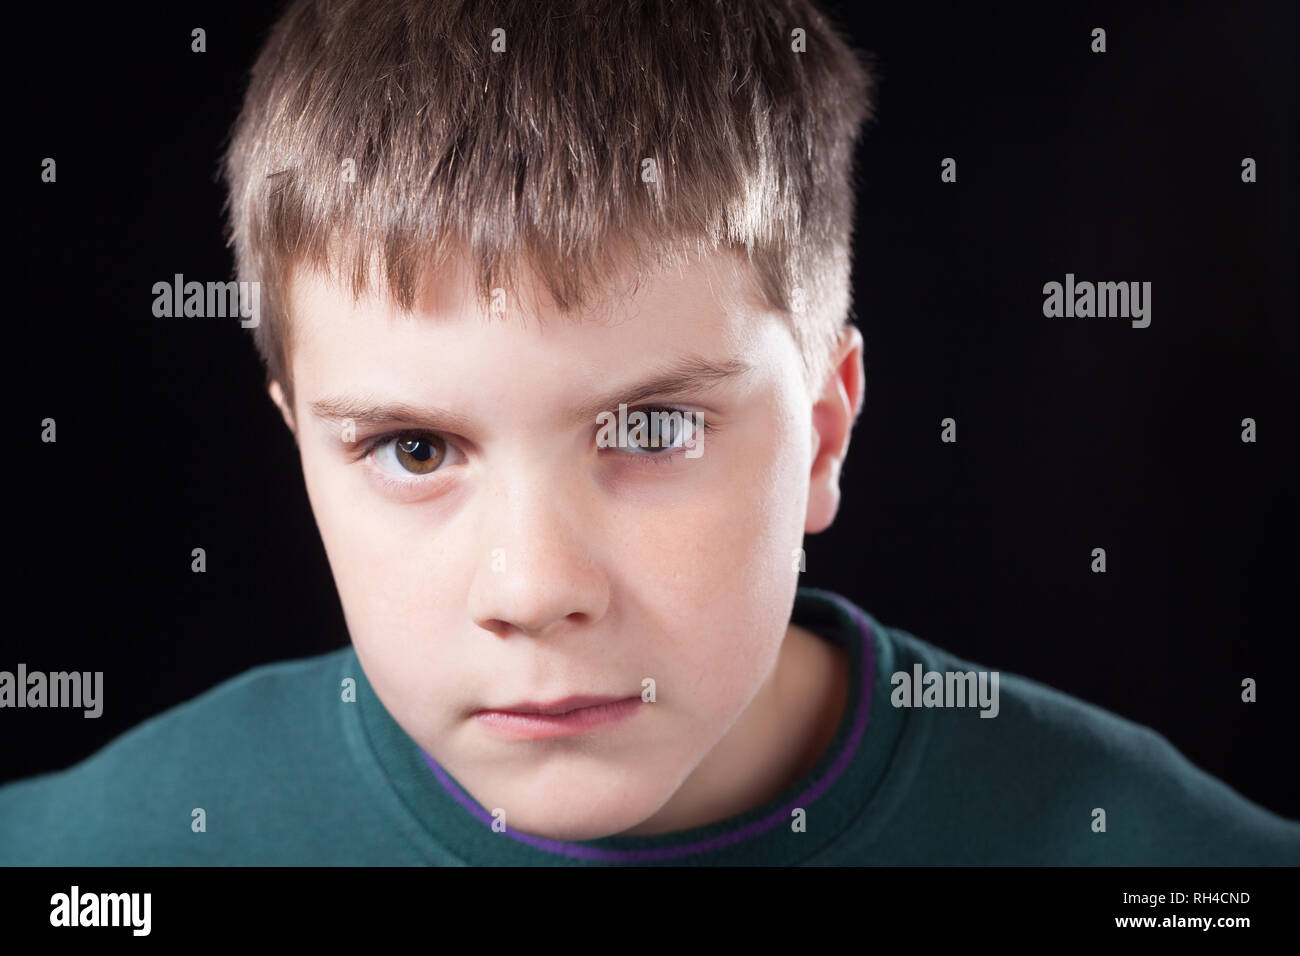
x,y
277,396
833,416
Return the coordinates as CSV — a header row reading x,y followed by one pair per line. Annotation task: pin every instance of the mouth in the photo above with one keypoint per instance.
x,y
560,718
565,705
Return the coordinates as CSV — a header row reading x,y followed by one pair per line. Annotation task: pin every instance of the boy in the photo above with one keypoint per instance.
x,y
554,305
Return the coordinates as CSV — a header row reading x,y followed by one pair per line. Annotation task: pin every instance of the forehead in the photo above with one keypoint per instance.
x,y
707,305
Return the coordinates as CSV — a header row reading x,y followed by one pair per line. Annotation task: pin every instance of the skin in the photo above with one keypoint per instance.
x,y
532,564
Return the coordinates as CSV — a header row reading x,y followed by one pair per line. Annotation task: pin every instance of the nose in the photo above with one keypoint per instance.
x,y
537,574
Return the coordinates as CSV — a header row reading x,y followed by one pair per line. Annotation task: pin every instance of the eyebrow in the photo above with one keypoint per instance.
x,y
686,376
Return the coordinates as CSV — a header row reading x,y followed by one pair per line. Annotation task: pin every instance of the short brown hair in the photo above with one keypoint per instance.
x,y
534,155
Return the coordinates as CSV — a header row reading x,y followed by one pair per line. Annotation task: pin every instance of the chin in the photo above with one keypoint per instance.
x,y
567,826
576,811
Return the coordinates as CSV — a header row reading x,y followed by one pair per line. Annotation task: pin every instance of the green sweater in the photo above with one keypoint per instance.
x,y
288,772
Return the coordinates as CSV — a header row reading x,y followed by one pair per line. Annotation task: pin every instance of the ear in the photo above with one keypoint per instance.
x,y
286,412
833,415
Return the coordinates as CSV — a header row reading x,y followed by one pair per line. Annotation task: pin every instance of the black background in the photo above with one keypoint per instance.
x,y
1073,433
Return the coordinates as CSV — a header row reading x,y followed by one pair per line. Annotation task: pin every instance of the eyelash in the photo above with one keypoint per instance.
x,y
370,445
668,457
401,485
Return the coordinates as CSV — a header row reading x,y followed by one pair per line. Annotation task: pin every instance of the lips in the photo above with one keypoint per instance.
x,y
554,708
568,717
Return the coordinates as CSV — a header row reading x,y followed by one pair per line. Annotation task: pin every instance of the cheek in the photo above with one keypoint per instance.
x,y
731,538
721,572
385,570
353,543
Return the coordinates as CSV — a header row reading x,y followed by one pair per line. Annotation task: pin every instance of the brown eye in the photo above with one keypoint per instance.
x,y
419,456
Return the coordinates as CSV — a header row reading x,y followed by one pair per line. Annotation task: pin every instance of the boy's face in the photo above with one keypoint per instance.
x,y
490,551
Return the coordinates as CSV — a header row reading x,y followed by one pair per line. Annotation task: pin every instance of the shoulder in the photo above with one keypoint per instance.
x,y
134,800
1052,778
